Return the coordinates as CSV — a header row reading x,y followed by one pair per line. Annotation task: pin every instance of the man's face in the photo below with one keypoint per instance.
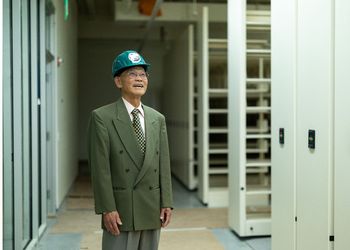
x,y
132,82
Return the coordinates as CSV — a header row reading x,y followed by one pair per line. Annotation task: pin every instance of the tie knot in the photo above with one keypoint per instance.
x,y
135,112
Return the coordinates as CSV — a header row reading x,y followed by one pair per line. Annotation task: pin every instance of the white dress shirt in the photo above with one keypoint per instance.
x,y
141,114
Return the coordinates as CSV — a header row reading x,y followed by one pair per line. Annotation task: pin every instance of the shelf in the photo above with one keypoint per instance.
x,y
258,136
257,92
258,25
218,151
258,80
258,86
217,40
258,190
258,216
262,109
258,163
218,111
258,42
257,170
221,170
258,52
218,130
217,43
258,16
219,92
257,150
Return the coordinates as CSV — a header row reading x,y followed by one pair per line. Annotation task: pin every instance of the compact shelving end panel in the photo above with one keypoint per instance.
x,y
249,119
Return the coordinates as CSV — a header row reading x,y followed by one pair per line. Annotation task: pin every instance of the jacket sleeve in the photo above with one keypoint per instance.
x,y
164,164
98,154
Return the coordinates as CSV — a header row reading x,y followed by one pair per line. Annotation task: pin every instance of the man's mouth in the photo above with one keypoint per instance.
x,y
137,85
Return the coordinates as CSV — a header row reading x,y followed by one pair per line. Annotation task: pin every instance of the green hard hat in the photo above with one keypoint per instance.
x,y
127,59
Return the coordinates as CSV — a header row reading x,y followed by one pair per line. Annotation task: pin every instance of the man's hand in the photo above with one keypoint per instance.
x,y
165,215
111,221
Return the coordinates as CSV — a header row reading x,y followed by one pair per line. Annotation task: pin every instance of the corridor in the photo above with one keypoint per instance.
x,y
255,95
193,225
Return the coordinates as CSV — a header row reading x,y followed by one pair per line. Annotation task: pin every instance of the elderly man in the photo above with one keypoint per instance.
x,y
129,161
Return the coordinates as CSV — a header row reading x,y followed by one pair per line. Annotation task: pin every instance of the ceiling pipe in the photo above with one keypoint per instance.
x,y
150,22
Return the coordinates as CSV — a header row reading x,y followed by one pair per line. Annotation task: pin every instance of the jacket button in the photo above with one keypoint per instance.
x,y
157,152
155,170
150,188
127,170
121,151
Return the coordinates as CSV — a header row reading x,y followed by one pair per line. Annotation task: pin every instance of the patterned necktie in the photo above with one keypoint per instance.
x,y
138,130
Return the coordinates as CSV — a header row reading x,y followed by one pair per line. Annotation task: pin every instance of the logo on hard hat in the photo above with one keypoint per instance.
x,y
134,57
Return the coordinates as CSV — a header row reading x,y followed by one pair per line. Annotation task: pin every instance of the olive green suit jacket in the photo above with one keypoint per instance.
x,y
123,179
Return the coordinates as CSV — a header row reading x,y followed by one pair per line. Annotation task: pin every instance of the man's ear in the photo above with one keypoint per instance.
x,y
118,82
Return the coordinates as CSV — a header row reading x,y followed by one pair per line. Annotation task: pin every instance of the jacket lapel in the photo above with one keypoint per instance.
x,y
122,124
151,137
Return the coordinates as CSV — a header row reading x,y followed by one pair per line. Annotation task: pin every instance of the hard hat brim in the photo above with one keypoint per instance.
x,y
121,70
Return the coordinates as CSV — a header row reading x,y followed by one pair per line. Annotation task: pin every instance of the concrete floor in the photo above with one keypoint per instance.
x,y
193,226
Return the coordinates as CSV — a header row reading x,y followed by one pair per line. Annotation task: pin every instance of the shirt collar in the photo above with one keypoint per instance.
x,y
130,107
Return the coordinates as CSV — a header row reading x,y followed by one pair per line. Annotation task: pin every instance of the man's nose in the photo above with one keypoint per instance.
x,y
138,77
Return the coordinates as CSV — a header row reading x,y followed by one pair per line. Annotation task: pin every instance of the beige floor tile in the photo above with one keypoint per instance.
x,y
189,240
77,222
79,203
188,230
199,217
82,188
91,241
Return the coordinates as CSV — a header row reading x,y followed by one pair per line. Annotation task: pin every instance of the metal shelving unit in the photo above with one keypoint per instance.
x,y
249,121
212,116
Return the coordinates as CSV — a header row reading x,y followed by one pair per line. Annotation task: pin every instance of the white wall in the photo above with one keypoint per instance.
x,y
96,86
67,94
179,86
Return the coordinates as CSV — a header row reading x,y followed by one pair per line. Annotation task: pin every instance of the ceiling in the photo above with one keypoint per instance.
x,y
105,8
97,20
